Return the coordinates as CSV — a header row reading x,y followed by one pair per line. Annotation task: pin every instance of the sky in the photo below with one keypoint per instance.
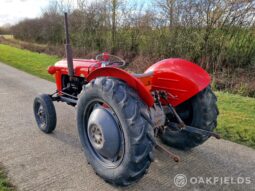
x,y
13,11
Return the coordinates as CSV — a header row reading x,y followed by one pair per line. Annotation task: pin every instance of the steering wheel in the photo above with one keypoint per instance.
x,y
111,60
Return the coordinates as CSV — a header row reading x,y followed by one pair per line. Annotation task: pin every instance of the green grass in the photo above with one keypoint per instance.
x,y
237,114
31,62
237,118
5,185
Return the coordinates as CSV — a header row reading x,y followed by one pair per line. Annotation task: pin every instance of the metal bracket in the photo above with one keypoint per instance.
x,y
182,126
67,98
194,130
173,156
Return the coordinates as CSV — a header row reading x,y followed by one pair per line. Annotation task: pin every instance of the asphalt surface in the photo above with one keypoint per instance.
x,y
36,161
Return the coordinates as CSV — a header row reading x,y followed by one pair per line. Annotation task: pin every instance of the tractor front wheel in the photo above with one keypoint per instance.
x,y
115,131
45,113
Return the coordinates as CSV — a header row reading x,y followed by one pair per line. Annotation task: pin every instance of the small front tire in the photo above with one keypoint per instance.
x,y
45,113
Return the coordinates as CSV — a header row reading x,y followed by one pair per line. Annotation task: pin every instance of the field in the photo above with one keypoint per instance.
x,y
237,114
8,36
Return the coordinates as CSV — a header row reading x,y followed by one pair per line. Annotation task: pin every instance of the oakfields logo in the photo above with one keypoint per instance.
x,y
180,180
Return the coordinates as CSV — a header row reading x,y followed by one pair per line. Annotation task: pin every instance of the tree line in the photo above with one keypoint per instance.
x,y
213,33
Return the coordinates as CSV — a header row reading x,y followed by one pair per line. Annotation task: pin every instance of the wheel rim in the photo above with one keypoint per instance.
x,y
96,136
40,115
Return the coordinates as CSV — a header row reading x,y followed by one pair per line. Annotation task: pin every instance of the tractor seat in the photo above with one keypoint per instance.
x,y
143,75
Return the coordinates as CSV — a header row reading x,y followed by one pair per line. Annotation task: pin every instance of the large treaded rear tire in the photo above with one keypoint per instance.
x,y
135,122
204,116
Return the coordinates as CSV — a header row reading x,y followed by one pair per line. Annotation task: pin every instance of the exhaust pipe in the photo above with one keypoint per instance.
x,y
69,54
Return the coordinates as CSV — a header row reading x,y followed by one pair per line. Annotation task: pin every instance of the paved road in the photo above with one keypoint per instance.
x,y
36,161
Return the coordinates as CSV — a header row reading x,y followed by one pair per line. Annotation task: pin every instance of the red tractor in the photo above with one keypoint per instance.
x,y
119,115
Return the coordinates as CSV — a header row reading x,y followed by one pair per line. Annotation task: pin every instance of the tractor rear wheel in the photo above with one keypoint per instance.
x,y
45,113
115,131
200,111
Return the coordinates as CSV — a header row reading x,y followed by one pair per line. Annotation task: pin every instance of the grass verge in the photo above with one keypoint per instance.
x,y
237,118
5,185
237,114
31,62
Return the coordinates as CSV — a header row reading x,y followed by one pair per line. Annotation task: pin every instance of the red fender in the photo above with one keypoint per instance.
x,y
133,82
180,78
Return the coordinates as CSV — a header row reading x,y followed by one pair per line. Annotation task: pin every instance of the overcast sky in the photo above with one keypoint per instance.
x,y
12,11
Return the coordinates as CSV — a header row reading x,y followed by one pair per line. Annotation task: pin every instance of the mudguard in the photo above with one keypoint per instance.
x,y
180,78
132,81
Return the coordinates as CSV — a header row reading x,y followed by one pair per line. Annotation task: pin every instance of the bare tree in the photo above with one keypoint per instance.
x,y
169,10
114,10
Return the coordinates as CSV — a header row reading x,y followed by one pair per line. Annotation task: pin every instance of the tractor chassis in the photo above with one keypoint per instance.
x,y
62,96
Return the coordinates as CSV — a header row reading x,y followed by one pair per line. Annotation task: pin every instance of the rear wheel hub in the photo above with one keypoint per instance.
x,y
104,133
